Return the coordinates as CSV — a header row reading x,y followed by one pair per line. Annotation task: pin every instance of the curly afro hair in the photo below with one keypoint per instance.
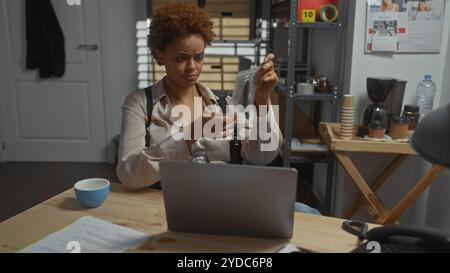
x,y
174,20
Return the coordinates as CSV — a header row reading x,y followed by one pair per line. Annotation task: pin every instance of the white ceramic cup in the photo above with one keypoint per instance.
x,y
304,88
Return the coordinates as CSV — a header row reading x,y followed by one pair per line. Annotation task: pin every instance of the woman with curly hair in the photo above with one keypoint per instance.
x,y
178,36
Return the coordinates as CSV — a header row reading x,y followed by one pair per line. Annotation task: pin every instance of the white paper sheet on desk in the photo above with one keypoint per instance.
x,y
89,235
288,248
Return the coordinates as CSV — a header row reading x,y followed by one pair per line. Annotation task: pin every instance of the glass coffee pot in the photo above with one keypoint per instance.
x,y
376,115
373,117
376,120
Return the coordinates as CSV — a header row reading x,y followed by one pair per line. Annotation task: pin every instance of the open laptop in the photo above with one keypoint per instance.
x,y
222,199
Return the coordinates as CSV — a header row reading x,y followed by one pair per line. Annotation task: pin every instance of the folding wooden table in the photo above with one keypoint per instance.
x,y
342,148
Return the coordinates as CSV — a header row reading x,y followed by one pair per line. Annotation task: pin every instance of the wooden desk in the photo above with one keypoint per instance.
x,y
144,211
341,147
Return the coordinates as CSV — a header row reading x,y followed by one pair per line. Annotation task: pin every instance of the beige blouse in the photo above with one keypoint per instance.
x,y
138,165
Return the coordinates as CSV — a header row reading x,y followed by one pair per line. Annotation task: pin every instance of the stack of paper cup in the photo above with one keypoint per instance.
x,y
347,117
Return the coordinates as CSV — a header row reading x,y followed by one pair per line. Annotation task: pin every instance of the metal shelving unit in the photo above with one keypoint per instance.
x,y
288,90
313,97
318,25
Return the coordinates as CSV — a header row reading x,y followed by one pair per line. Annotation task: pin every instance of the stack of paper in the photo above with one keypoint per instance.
x,y
89,235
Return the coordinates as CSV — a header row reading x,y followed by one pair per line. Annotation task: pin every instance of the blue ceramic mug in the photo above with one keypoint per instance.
x,y
92,192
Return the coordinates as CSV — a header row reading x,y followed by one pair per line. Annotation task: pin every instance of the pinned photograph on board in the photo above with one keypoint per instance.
x,y
424,10
385,28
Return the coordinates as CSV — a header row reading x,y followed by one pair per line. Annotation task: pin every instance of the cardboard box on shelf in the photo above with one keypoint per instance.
x,y
303,127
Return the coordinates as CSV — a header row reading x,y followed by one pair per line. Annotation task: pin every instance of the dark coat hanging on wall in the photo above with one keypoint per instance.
x,y
45,39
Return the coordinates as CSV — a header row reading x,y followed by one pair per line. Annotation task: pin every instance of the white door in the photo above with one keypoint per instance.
x,y
54,119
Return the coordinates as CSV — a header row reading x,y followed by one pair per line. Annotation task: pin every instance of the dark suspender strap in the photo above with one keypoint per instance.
x,y
148,95
222,101
235,144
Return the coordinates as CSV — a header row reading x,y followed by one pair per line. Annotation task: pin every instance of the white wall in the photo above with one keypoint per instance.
x,y
410,67
445,93
118,21
438,200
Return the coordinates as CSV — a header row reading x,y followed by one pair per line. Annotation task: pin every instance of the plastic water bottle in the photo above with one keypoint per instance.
x,y
426,91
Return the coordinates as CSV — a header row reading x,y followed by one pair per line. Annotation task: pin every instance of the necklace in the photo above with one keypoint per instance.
x,y
172,101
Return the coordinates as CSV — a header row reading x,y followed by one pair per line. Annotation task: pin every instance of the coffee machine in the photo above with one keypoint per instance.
x,y
386,95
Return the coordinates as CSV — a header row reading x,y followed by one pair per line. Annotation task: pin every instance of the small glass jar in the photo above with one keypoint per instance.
x,y
323,84
411,112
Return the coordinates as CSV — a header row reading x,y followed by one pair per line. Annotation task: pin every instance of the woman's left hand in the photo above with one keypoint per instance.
x,y
265,80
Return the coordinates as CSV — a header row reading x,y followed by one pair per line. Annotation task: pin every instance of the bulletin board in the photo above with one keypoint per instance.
x,y
404,26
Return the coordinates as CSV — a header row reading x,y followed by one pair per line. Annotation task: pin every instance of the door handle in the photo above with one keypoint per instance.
x,y
85,47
